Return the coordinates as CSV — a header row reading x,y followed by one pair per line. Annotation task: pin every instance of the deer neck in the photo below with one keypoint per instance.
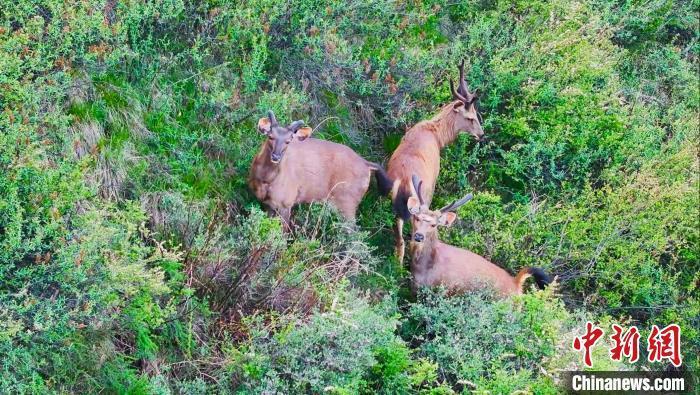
x,y
263,169
423,254
445,129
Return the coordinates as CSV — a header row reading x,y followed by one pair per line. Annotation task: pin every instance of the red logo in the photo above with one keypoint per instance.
x,y
662,344
626,344
665,344
587,341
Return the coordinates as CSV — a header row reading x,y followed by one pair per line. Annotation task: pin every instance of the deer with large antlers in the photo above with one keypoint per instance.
x,y
434,263
419,151
292,168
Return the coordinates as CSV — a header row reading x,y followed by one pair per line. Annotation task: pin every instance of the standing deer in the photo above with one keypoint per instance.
x,y
419,151
434,263
292,168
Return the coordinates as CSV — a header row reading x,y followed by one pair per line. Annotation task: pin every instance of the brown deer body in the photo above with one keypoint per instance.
x,y
291,168
434,263
419,151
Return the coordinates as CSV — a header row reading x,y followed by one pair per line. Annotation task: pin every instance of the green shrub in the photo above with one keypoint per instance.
x,y
103,294
340,350
483,343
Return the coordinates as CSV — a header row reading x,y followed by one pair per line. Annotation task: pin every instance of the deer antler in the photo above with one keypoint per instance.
x,y
462,89
294,126
456,94
272,118
457,203
417,183
462,93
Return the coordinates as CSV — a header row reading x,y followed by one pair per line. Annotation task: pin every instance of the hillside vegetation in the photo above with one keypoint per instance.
x,y
134,259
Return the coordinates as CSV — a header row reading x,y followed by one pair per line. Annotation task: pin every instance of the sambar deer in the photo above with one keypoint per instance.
x,y
292,168
434,263
419,151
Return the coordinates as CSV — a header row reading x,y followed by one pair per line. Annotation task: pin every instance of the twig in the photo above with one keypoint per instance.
x,y
323,121
202,72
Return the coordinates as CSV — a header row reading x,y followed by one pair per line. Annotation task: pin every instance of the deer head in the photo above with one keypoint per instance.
x,y
425,221
467,118
279,137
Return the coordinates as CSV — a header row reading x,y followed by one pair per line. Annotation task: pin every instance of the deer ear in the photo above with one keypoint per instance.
x,y
303,133
446,219
413,205
459,105
264,125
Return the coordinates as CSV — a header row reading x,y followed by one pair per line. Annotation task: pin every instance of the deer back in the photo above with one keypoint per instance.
x,y
461,270
418,153
311,170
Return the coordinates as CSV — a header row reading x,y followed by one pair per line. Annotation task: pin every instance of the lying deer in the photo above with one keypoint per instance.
x,y
419,151
292,168
435,263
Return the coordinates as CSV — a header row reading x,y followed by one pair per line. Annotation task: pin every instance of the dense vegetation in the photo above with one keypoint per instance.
x,y
133,258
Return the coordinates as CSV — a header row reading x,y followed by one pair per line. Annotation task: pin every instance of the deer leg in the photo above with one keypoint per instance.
x,y
347,210
399,243
285,214
271,212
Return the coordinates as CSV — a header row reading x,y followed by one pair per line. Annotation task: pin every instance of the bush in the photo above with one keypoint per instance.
x,y
349,348
483,343
82,311
247,263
